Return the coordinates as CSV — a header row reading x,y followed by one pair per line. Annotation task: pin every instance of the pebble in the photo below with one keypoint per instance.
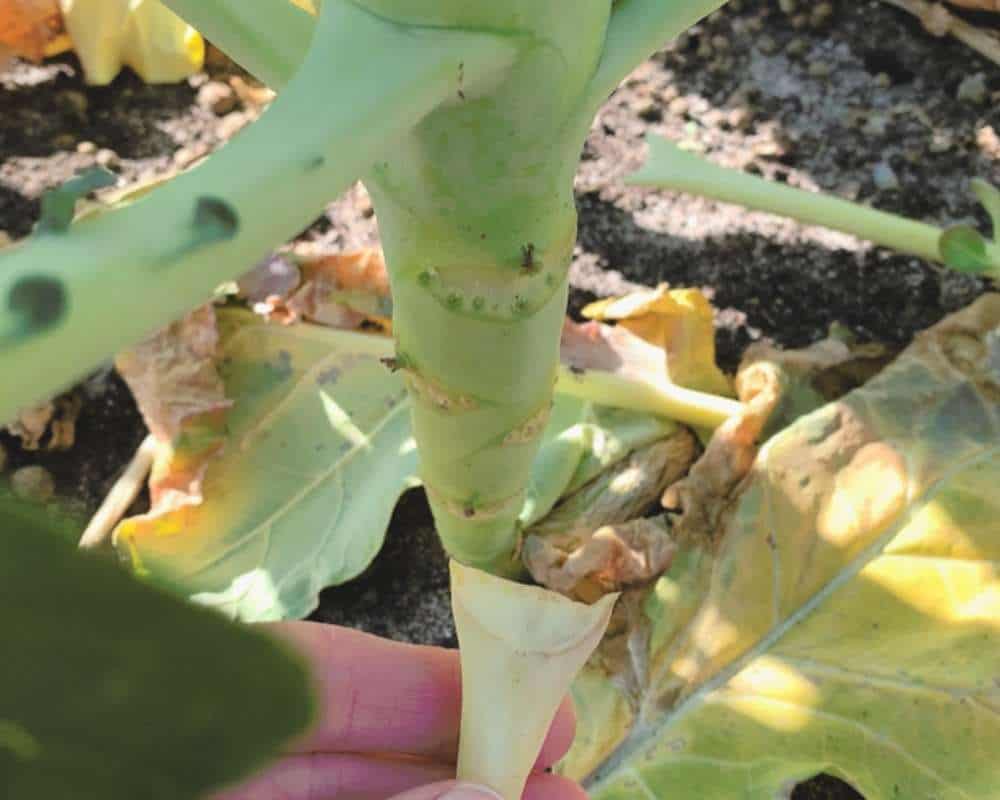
x,y
64,141
679,106
217,97
876,124
973,89
820,13
787,6
107,158
883,80
767,45
76,100
231,124
885,177
86,148
820,69
33,483
941,142
797,47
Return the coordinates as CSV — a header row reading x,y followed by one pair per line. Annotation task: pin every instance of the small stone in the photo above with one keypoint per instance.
x,y
885,177
64,141
651,112
820,69
33,483
941,142
86,148
820,13
767,45
787,6
76,100
705,48
883,80
876,125
720,43
799,21
217,97
797,47
679,106
107,158
973,89
988,141
231,124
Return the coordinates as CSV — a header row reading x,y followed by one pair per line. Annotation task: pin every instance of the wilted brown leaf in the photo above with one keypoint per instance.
x,y
56,418
338,290
173,375
592,544
31,29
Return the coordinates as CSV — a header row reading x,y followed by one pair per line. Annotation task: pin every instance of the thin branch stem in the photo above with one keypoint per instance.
x,y
661,398
669,167
121,496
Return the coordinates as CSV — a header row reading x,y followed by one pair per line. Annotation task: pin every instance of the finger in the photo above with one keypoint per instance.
x,y
324,776
378,696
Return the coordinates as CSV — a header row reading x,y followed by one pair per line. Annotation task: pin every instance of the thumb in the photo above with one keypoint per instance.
x,y
449,790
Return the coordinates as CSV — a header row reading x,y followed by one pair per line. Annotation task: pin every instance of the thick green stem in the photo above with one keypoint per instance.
x,y
269,38
83,294
669,167
478,221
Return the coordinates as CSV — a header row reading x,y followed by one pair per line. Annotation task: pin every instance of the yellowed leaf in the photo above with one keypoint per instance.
x,y
681,323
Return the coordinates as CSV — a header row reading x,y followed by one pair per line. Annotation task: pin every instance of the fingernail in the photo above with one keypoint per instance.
x,y
468,791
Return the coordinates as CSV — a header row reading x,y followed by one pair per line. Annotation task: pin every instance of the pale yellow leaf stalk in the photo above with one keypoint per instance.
x,y
521,648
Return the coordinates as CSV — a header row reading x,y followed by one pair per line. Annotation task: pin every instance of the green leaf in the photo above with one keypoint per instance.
x,y
844,620
964,248
989,196
112,690
317,450
59,205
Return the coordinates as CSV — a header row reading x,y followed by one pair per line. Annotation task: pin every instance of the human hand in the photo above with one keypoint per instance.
x,y
388,726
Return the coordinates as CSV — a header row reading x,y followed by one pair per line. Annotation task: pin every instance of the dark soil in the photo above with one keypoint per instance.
x,y
860,102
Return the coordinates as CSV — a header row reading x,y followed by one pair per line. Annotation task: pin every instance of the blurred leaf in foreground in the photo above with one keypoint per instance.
x,y
111,690
844,617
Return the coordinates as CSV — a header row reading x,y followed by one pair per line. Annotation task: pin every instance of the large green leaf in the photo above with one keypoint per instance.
x,y
317,451
112,690
317,448
846,617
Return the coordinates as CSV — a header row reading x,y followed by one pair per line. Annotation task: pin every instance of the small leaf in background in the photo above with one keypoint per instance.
x,y
681,323
316,450
142,34
110,689
31,29
989,196
844,618
963,248
59,205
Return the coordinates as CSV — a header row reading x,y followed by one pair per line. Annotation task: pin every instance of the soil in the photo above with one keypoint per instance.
x,y
854,98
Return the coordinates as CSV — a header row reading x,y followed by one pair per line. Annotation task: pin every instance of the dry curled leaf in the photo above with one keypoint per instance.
x,y
776,387
338,290
173,376
591,543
